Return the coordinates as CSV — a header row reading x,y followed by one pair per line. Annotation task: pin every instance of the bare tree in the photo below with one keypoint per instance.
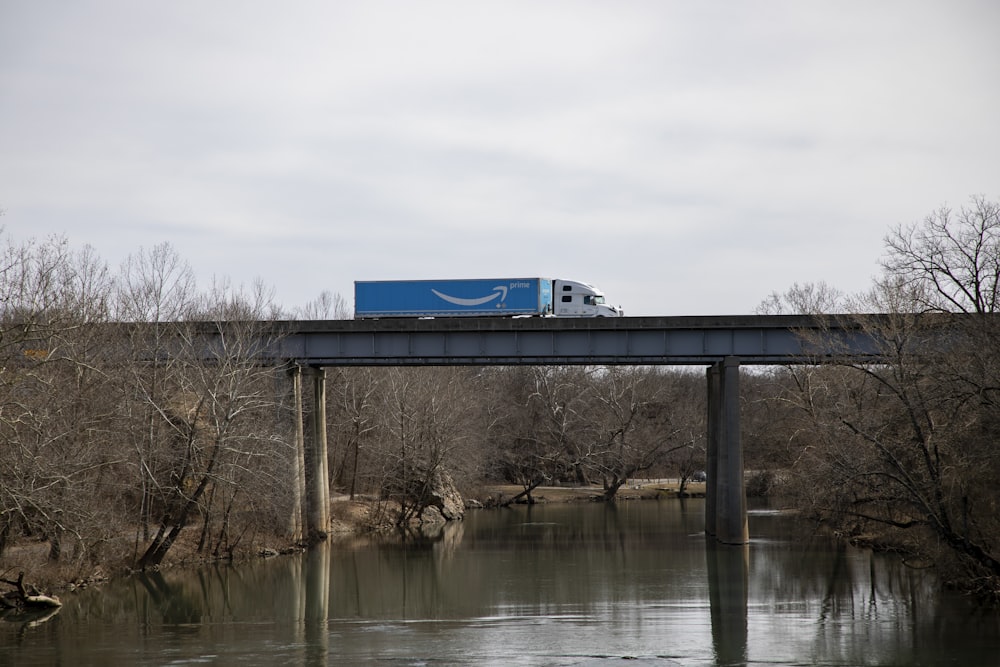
x,y
327,306
132,398
904,448
563,396
771,428
682,408
905,452
156,293
637,424
806,299
952,257
354,416
521,450
428,413
55,475
210,417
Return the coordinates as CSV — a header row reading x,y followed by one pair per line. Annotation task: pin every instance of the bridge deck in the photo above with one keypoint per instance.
x,y
628,340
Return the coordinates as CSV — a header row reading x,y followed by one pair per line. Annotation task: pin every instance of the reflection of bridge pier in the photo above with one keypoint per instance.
x,y
310,586
317,604
728,592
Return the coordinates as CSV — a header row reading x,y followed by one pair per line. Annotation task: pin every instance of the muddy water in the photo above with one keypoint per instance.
x,y
579,584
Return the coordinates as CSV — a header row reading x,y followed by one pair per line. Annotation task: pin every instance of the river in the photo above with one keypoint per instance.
x,y
574,584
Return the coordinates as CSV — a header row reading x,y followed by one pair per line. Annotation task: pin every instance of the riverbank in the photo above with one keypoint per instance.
x,y
349,518
647,490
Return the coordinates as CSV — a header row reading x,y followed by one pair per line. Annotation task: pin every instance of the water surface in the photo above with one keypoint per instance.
x,y
580,584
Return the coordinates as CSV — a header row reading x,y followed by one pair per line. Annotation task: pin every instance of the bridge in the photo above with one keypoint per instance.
x,y
770,339
721,343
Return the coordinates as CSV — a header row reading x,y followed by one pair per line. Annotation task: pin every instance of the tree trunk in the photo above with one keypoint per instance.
x,y
526,492
611,490
169,531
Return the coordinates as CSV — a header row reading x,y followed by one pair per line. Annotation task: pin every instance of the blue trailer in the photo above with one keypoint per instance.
x,y
478,297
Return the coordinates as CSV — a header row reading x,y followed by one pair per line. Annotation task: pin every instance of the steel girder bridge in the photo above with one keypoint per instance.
x,y
779,339
721,343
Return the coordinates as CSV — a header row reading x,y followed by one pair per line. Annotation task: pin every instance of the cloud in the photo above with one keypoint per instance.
x,y
691,157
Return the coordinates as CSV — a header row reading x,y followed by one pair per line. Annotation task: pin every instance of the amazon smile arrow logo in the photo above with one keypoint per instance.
x,y
498,291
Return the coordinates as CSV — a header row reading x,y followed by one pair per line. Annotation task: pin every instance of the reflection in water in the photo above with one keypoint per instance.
x,y
728,591
547,585
170,603
317,603
25,620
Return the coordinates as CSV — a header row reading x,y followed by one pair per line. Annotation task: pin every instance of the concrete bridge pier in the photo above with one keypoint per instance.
x,y
297,461
725,494
317,467
308,468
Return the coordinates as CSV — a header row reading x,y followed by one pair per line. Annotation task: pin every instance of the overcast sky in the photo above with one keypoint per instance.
x,y
687,157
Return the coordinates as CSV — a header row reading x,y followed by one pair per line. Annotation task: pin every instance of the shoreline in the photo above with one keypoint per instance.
x,y
348,519
652,490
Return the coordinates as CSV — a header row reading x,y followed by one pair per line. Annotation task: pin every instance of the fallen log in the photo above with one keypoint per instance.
x,y
27,596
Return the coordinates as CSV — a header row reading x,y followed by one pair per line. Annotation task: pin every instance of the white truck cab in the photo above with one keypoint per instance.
x,y
575,299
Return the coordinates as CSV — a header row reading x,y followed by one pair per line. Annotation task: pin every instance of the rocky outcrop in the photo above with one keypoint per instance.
x,y
442,500
426,496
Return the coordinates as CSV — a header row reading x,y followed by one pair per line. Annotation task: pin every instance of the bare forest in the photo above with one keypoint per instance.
x,y
123,445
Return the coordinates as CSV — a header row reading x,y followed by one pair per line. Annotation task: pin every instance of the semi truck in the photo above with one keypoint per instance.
x,y
480,297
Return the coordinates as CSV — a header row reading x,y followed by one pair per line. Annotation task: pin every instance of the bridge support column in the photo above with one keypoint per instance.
x,y
713,418
317,468
725,497
298,510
